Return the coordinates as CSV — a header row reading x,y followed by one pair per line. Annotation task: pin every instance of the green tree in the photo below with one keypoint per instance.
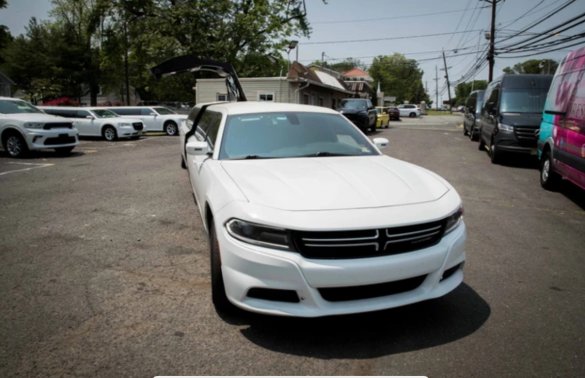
x,y
464,89
533,66
399,77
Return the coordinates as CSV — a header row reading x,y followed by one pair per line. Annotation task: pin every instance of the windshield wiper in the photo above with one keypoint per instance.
x,y
250,157
326,153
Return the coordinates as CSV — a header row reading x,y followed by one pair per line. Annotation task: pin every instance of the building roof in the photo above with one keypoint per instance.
x,y
316,76
357,73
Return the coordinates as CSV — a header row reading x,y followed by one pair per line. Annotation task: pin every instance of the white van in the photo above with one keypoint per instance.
x,y
155,118
98,122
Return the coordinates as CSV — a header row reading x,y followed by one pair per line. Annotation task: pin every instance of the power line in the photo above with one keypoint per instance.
x,y
389,18
384,39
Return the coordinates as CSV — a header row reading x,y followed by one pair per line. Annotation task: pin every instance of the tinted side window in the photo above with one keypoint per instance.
x,y
209,126
191,117
62,112
146,111
126,111
491,99
82,113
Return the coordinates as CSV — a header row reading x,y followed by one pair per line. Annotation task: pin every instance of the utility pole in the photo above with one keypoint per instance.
x,y
491,53
448,85
437,87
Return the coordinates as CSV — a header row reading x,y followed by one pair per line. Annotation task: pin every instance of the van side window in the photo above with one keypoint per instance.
x,y
491,102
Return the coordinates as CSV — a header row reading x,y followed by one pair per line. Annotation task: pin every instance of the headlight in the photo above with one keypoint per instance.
x,y
454,220
259,235
33,125
506,128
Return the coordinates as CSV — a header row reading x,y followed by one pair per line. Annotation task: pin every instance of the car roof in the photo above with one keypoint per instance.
x,y
247,107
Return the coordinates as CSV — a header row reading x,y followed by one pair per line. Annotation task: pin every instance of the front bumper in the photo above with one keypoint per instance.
x,y
53,138
397,280
128,132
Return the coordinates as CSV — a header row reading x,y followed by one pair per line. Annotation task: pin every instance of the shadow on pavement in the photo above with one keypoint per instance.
x,y
382,333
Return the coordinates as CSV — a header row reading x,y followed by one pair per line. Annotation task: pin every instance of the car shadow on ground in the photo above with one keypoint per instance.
x,y
572,192
404,329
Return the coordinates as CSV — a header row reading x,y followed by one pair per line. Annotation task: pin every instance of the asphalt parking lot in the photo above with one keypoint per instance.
x,y
104,272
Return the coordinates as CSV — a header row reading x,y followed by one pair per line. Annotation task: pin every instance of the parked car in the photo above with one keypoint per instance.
x,y
360,111
510,114
98,122
382,117
472,111
409,110
23,127
394,113
306,217
155,118
561,142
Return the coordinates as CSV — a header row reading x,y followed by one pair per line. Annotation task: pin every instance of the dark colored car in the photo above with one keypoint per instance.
x,y
511,114
394,114
360,111
472,111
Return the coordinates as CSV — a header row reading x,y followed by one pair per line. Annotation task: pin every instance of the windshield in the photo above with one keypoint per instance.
x,y
17,106
290,135
163,111
523,100
353,104
104,113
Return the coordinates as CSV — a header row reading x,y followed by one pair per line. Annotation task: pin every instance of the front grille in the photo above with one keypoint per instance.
x,y
367,243
352,293
526,135
58,125
59,140
137,126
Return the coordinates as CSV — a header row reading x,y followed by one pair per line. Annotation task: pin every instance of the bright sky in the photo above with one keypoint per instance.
x,y
419,29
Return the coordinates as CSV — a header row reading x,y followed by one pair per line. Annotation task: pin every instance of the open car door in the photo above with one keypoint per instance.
x,y
190,63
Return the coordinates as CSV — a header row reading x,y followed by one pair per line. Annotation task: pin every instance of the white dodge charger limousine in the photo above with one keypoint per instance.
x,y
306,217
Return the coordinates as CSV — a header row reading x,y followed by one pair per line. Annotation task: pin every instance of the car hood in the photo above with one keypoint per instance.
x,y
352,111
334,183
521,119
34,117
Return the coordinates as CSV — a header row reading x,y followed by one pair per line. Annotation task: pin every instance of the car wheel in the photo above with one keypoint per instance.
x,y
109,134
218,295
412,115
15,145
63,151
171,128
549,179
495,154
481,144
465,131
473,135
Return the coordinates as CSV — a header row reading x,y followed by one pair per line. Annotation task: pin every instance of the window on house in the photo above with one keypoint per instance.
x,y
221,96
266,97
321,101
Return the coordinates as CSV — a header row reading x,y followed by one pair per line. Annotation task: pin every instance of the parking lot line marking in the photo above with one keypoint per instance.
x,y
31,167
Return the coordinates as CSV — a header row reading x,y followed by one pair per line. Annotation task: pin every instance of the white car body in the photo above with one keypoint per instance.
x,y
155,118
409,110
334,198
98,122
30,129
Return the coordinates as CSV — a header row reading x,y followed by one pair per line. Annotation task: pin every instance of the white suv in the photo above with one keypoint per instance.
x,y
409,110
23,127
98,122
155,118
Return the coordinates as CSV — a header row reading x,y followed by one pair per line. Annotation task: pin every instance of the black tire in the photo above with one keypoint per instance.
x,y
473,135
171,128
15,145
495,154
183,165
63,151
412,115
218,295
465,133
481,144
549,179
109,133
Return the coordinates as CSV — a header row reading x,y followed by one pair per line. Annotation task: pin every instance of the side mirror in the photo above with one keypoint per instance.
x,y
197,148
381,143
